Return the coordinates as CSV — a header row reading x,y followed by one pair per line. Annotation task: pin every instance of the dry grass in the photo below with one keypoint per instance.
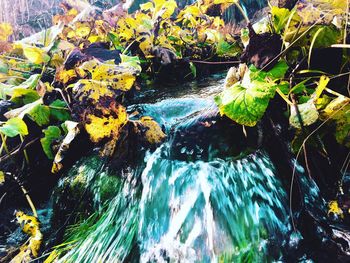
x,y
27,16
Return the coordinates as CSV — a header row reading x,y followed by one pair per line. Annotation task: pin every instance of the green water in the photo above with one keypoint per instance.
x,y
210,211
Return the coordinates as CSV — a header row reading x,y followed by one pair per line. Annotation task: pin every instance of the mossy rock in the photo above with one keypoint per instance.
x,y
73,198
85,189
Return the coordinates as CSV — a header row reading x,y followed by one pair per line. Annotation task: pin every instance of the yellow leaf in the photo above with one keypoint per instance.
x,y
65,76
126,28
218,22
334,208
52,257
35,54
57,60
71,34
30,226
83,31
146,45
2,177
216,2
164,8
117,77
94,38
5,31
92,89
108,125
321,86
147,6
189,11
153,134
73,130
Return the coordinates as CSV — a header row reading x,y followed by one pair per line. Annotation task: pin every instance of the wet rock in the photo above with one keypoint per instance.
x,y
101,51
262,50
72,197
197,136
289,4
323,242
86,188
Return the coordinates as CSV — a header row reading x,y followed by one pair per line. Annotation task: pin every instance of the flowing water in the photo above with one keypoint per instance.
x,y
210,211
214,209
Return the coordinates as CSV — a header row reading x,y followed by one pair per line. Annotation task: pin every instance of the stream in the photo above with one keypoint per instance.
x,y
194,204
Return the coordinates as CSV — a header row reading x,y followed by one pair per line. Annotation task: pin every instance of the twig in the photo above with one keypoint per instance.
x,y
26,194
15,151
2,197
24,151
287,48
297,157
64,98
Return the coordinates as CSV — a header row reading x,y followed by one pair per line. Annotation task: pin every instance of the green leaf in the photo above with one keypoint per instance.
x,y
4,68
300,87
279,70
40,114
128,61
245,106
223,48
280,17
24,93
24,96
31,82
115,41
14,127
326,36
246,101
52,133
193,69
58,110
308,114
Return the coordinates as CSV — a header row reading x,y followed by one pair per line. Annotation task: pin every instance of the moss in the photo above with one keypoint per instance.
x,y
108,187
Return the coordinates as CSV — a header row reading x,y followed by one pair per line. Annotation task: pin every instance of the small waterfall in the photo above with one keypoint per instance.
x,y
216,209
210,211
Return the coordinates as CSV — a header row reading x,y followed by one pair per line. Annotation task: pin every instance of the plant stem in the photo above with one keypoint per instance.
x,y
284,97
3,145
333,92
24,151
26,194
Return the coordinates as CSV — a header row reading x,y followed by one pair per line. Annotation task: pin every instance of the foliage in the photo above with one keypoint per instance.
x,y
85,87
51,133
303,29
14,127
30,226
157,25
246,101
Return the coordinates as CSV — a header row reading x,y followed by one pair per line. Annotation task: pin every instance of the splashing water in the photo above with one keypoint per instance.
x,y
210,211
214,210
